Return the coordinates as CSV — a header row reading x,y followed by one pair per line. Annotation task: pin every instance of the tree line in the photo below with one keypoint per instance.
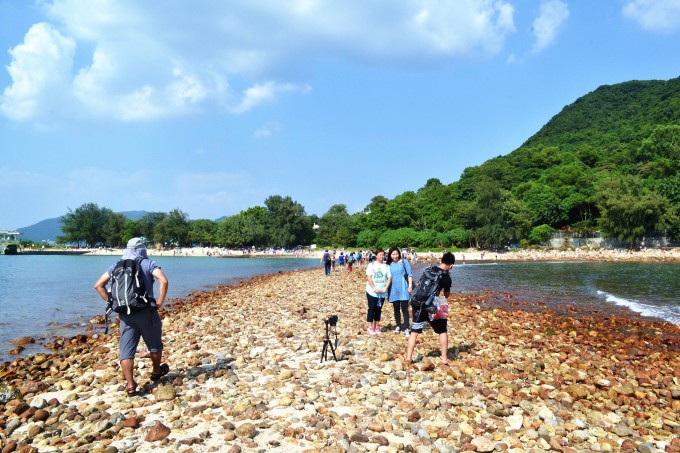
x,y
609,162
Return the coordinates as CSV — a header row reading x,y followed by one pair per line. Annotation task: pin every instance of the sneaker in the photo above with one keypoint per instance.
x,y
370,331
398,329
377,331
407,332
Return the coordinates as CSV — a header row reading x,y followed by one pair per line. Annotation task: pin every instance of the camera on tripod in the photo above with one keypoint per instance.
x,y
331,322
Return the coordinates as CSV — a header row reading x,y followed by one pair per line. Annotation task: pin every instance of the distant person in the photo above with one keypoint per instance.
x,y
326,261
378,280
350,261
140,322
420,315
400,288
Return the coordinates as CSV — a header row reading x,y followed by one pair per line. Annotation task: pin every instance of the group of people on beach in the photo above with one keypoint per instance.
x,y
392,281
329,260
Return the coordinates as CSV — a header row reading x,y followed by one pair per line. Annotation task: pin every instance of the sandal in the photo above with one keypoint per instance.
x,y
165,369
131,391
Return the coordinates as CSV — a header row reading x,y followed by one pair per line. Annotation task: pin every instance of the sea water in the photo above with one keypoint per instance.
x,y
44,295
648,289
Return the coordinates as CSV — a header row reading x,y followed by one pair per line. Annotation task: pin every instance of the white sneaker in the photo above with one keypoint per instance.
x,y
398,329
407,332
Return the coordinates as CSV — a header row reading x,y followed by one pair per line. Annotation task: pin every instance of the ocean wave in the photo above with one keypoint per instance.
x,y
666,313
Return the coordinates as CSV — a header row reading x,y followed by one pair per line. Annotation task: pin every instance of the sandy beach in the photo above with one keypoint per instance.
x,y
246,375
469,255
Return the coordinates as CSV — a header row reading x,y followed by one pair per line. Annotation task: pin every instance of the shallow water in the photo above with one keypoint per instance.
x,y
46,295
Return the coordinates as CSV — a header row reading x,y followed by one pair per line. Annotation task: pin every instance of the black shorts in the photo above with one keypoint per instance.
x,y
420,317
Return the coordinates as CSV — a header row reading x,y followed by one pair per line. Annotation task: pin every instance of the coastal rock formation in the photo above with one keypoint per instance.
x,y
247,375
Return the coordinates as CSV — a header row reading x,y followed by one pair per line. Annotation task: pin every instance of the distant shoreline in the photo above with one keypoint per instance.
x,y
467,256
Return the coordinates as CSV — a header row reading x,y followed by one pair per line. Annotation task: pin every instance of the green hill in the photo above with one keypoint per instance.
x,y
608,162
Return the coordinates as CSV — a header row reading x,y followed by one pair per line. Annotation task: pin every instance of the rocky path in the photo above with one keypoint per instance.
x,y
246,375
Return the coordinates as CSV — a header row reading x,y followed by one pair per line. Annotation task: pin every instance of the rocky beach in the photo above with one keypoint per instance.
x,y
246,375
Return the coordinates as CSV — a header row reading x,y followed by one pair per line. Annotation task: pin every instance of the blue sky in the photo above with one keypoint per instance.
x,y
211,106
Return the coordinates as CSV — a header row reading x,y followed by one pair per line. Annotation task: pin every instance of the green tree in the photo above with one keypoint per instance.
x,y
147,224
172,230
287,221
202,232
131,229
85,224
113,229
541,234
368,238
629,210
331,223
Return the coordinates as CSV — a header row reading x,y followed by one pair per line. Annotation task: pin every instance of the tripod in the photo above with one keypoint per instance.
x,y
327,342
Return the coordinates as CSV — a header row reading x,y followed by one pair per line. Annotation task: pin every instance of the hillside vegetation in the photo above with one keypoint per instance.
x,y
608,162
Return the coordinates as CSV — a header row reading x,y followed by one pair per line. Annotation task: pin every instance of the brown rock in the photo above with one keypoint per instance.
x,y
246,430
628,445
157,432
380,440
131,422
359,438
10,446
25,340
41,415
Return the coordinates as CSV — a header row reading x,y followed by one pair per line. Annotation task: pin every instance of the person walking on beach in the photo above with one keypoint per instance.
x,y
378,280
142,323
400,289
420,315
326,261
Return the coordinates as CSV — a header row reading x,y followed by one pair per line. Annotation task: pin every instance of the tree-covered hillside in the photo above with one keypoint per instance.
x,y
608,162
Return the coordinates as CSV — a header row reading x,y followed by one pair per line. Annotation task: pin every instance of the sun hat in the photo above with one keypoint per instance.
x,y
136,243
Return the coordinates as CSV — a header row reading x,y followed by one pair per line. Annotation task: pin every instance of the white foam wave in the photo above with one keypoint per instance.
x,y
670,314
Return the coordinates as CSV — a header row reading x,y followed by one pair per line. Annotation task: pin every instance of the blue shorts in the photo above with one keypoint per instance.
x,y
143,324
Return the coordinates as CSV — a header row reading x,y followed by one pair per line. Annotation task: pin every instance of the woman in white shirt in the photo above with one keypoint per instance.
x,y
378,279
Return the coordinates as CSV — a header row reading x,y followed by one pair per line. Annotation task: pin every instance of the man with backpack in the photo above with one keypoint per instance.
x,y
434,280
132,297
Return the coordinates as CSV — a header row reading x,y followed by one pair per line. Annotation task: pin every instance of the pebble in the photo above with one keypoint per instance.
x,y
519,380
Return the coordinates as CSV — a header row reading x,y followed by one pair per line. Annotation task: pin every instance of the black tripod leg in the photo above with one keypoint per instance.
x,y
332,350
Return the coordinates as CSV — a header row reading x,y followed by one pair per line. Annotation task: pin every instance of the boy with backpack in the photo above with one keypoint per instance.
x,y
132,297
434,280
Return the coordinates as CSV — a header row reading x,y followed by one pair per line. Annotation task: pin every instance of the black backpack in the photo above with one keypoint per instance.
x,y
128,291
426,291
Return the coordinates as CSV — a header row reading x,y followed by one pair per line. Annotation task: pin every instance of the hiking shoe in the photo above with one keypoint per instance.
x,y
398,329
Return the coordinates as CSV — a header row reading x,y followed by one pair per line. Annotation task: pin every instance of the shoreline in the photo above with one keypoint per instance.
x,y
245,375
464,256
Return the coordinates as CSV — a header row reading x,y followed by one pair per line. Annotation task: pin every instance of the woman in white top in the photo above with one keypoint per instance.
x,y
378,279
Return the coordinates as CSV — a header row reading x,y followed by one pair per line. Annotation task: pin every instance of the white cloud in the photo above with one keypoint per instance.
x,y
552,15
268,130
40,70
654,15
138,60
